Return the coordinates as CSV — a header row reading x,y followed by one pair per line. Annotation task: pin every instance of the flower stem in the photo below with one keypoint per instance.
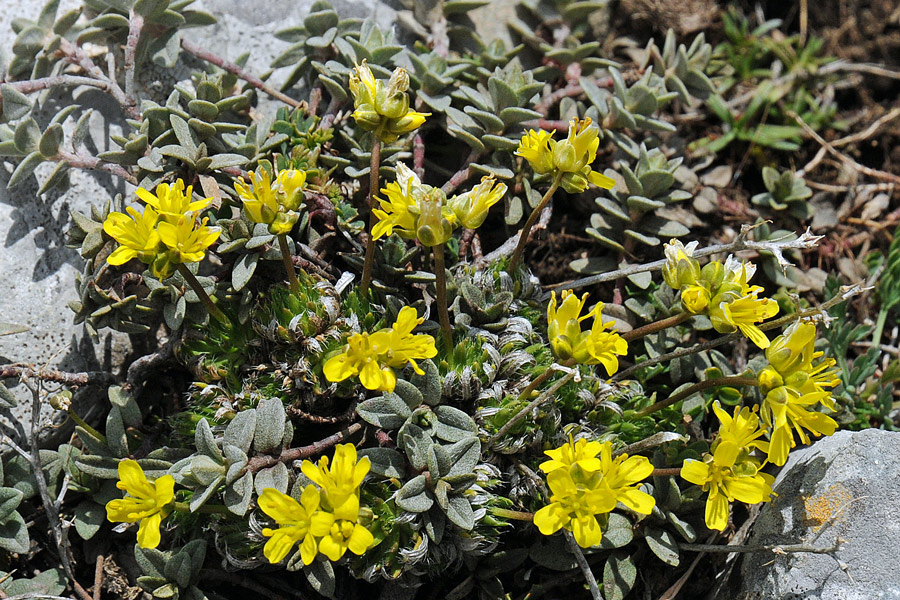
x,y
512,514
374,166
526,393
673,472
526,230
206,508
649,328
214,310
83,424
697,387
440,272
288,263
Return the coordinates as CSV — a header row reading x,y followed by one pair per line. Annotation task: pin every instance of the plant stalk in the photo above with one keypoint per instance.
x,y
526,393
673,472
512,514
697,387
656,326
532,218
214,310
206,508
440,272
288,261
374,166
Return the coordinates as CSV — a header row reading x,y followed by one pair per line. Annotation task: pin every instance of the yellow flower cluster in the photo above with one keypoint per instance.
x,y
327,518
719,291
275,205
373,357
149,502
585,488
383,106
591,347
570,158
729,472
796,379
166,234
418,211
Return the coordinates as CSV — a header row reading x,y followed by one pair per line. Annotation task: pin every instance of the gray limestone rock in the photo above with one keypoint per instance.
x,y
846,486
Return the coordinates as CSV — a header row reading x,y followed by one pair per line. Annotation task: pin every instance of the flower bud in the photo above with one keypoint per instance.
x,y
367,117
291,182
695,299
681,268
712,274
565,157
769,379
283,223
391,105
432,226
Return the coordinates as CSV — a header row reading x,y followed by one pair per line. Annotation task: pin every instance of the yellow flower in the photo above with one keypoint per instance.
x,y
345,532
297,522
743,313
290,184
695,299
741,429
374,356
786,410
471,208
574,506
150,502
535,148
574,452
681,268
187,240
793,349
136,235
402,195
621,476
384,106
567,340
342,479
172,202
260,204
728,475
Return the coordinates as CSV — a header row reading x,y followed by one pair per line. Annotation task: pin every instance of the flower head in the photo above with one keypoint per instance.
x,y
275,205
340,480
345,532
172,202
681,268
571,157
741,428
584,487
591,347
728,475
471,208
148,502
374,356
187,240
136,234
414,210
729,314
381,105
297,522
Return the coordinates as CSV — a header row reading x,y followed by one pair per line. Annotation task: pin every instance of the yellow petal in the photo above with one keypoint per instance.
x,y
551,518
148,533
280,506
338,368
716,511
133,480
360,540
330,548
121,255
308,549
637,500
587,531
279,544
695,471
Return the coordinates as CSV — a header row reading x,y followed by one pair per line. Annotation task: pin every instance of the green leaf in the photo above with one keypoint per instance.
x,y
413,497
453,424
25,169
238,494
619,532
104,467
14,534
240,430
320,575
184,134
221,161
619,575
460,512
663,545
89,516
116,437
385,462
9,501
15,104
243,270
205,441
275,477
128,407
552,552
387,412
464,455
51,582
7,400
270,418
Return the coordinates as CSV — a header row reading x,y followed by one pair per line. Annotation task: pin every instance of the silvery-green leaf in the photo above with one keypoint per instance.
x,y
552,552
115,433
663,545
128,408
464,455
619,532
9,501
7,399
387,412
385,462
270,418
240,430
238,494
199,499
88,517
619,575
413,497
275,476
320,575
243,270
460,512
453,424
15,104
205,441
14,534
25,169
429,384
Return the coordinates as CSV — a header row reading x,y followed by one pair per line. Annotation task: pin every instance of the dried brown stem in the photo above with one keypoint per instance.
x,y
261,462
69,379
526,229
135,26
234,69
77,56
98,577
93,163
43,83
650,328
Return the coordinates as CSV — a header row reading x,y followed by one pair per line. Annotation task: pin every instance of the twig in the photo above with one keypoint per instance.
x,y
693,389
657,439
234,69
669,472
776,548
547,374
869,68
877,174
530,407
851,139
673,590
806,240
76,55
62,540
137,371
462,175
98,576
261,462
43,83
650,328
80,161
550,124
135,26
847,292
69,379
583,565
